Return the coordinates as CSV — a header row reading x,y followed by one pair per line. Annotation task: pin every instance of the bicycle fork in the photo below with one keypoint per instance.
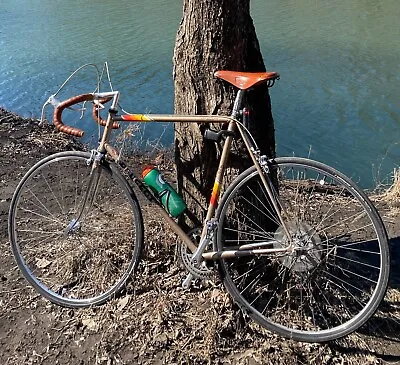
x,y
90,193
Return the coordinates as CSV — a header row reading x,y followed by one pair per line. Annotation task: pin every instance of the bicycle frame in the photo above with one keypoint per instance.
x,y
260,162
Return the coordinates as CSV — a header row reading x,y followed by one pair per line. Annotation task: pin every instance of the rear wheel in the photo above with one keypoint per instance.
x,y
337,274
75,235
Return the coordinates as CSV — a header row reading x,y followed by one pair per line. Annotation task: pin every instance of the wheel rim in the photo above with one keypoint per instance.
x,y
335,277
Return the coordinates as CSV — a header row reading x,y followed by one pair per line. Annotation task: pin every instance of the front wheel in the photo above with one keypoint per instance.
x,y
337,274
76,234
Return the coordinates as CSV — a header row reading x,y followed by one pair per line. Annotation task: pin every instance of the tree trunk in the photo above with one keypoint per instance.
x,y
214,35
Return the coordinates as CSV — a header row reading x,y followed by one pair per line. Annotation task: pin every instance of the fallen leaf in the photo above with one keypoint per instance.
x,y
90,324
42,263
122,303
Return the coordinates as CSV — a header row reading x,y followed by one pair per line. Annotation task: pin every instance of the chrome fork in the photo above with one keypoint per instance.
x,y
94,160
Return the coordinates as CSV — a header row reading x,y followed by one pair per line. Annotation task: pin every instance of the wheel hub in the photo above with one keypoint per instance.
x,y
307,246
72,227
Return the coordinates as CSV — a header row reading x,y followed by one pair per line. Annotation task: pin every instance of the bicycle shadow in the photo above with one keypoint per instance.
x,y
394,243
381,333
354,350
379,337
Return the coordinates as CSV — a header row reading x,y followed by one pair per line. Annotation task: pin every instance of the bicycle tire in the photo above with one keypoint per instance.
x,y
76,252
337,276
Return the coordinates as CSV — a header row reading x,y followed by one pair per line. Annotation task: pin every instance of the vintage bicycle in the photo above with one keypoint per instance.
x,y
300,248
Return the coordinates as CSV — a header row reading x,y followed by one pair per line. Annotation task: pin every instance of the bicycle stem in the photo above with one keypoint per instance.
x,y
112,111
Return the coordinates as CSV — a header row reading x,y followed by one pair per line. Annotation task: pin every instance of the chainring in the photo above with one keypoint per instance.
x,y
202,271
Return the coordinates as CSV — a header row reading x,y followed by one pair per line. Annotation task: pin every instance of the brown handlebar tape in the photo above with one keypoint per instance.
x,y
57,118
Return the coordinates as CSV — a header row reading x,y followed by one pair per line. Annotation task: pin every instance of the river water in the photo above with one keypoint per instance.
x,y
337,100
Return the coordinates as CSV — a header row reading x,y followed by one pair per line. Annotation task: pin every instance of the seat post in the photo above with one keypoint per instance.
x,y
237,104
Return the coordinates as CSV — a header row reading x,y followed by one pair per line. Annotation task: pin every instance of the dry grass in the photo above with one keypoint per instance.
x,y
387,200
392,194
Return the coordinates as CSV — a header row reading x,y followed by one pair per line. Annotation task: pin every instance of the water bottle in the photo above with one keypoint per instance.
x,y
170,199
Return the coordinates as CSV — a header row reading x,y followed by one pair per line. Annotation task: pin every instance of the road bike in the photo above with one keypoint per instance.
x,y
299,247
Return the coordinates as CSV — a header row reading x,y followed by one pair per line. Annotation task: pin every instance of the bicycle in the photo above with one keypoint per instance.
x,y
299,247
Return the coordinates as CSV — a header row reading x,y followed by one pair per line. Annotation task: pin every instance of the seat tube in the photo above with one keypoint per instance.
x,y
224,158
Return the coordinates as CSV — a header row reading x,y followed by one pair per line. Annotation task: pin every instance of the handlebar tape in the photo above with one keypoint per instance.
x,y
57,118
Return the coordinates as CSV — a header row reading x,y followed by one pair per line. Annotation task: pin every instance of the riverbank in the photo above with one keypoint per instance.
x,y
160,323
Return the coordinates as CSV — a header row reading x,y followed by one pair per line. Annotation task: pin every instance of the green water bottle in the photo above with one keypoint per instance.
x,y
170,199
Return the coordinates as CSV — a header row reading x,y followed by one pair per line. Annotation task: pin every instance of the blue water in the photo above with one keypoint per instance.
x,y
337,100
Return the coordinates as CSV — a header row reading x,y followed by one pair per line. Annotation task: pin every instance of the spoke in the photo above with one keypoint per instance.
x,y
265,236
327,215
40,202
343,281
248,219
270,214
348,292
342,221
252,283
52,192
273,296
247,272
40,231
347,247
359,250
354,273
264,241
348,232
302,197
50,216
25,242
358,262
335,313
79,188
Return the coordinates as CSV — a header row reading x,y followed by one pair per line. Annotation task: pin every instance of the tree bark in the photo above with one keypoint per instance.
x,y
214,35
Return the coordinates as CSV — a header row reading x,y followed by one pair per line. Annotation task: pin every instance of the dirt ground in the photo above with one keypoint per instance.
x,y
159,323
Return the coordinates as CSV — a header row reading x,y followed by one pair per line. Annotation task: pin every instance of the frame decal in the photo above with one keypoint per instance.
x,y
136,117
215,194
